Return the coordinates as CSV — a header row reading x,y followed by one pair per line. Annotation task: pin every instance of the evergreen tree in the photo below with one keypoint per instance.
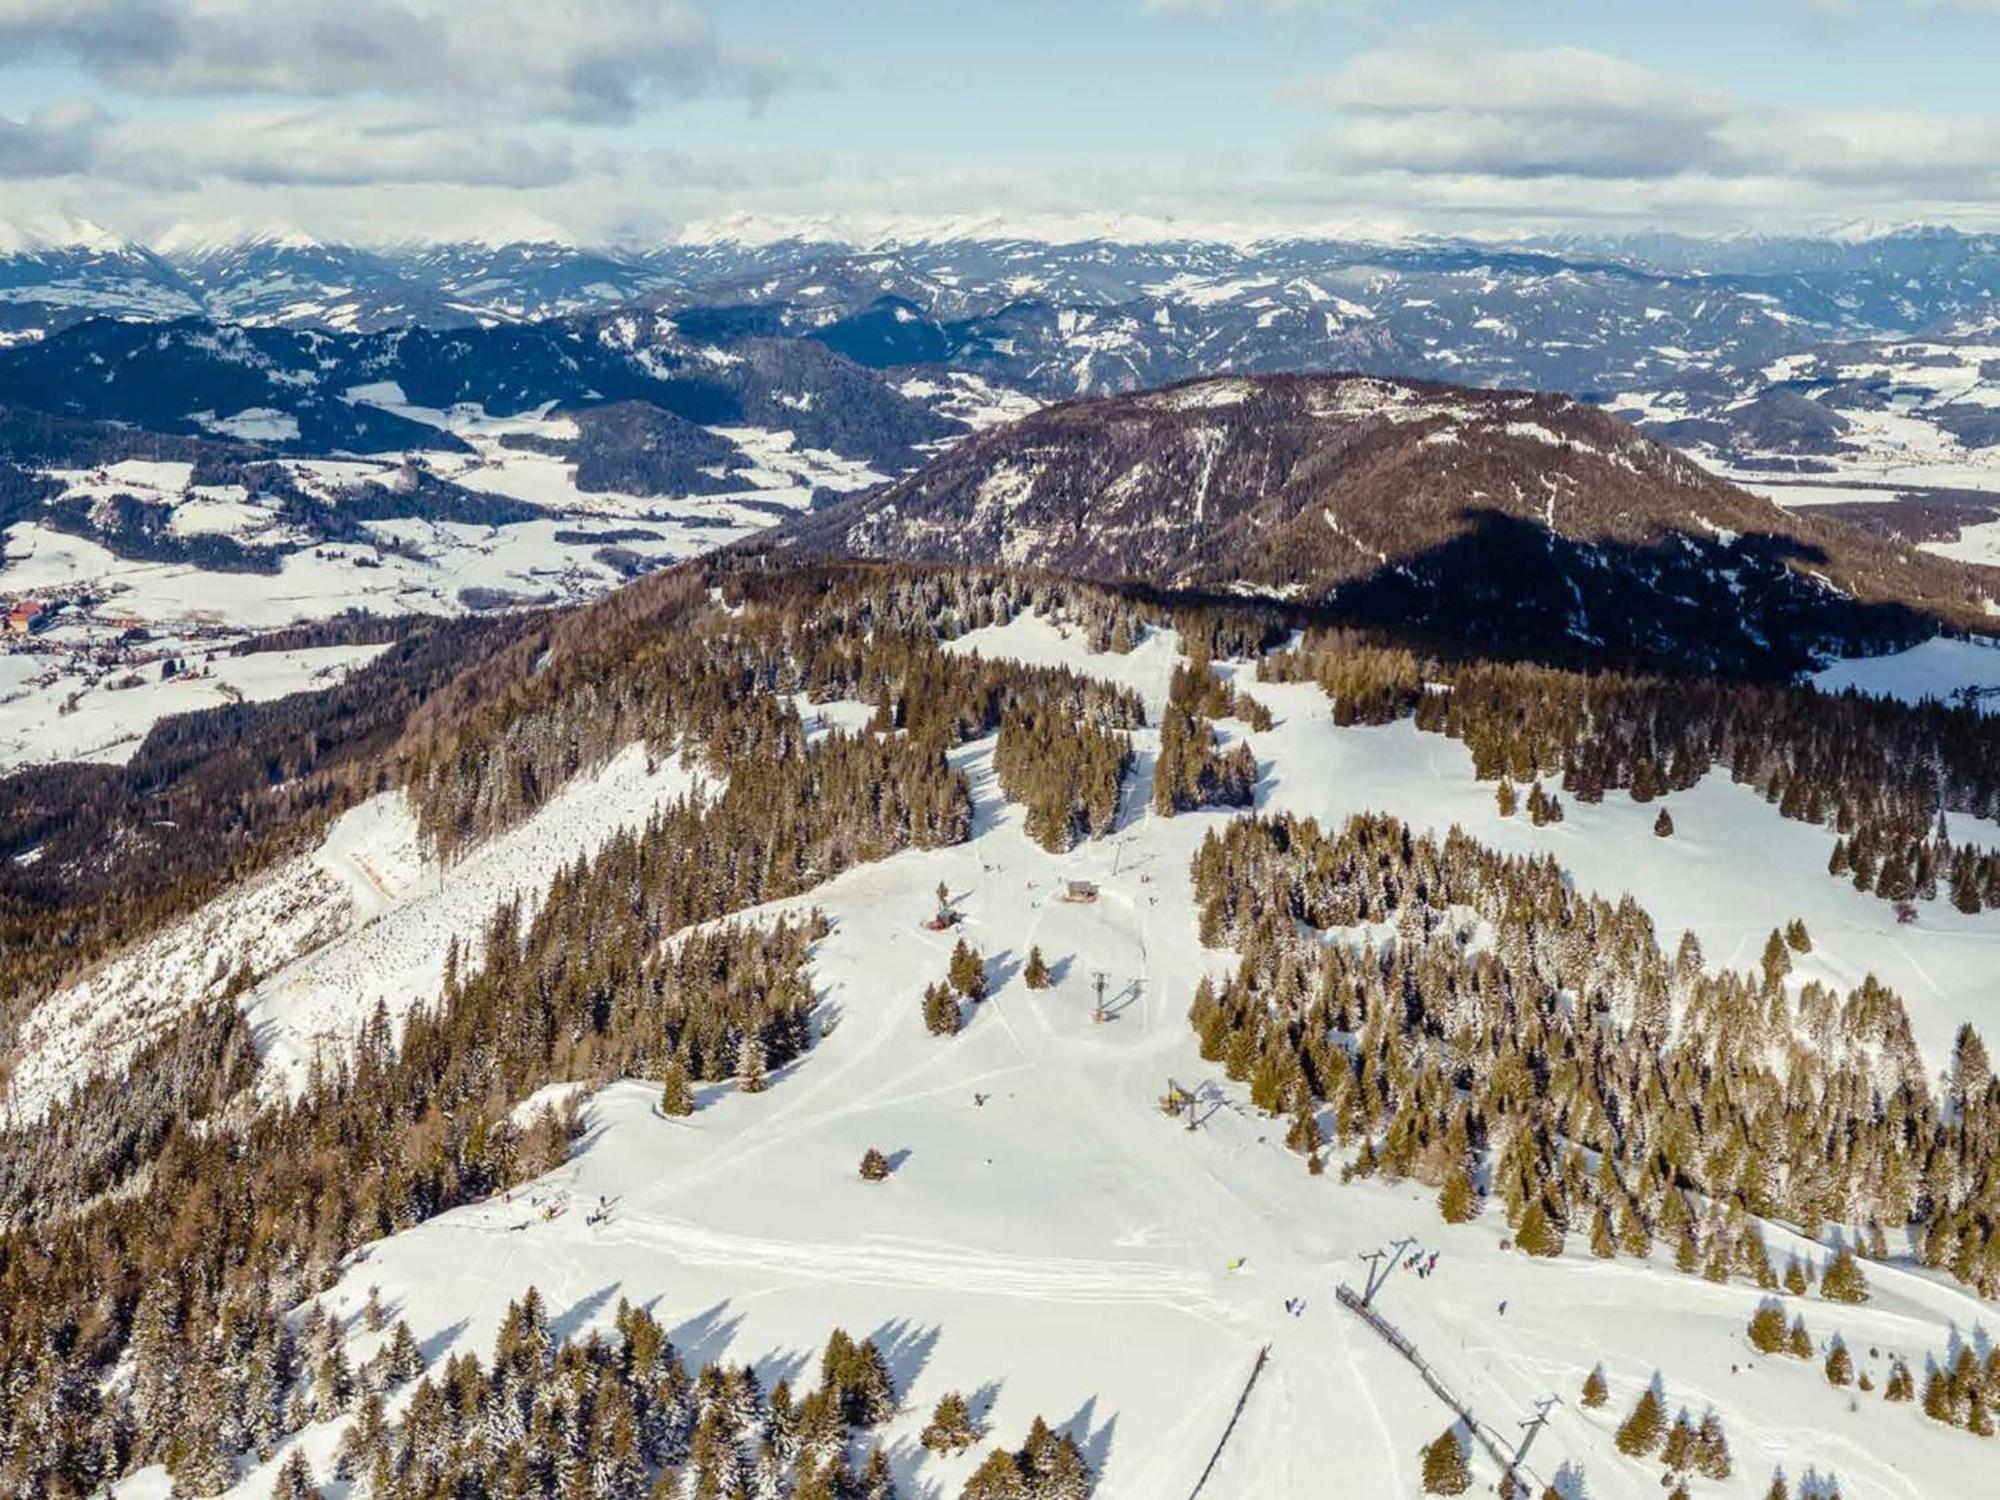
x,y
1767,1329
1839,1364
676,1092
1458,1200
1663,825
1538,1234
1595,1391
1842,1280
1641,1431
295,1480
1798,1343
874,1165
968,971
1036,972
951,1428
1445,1469
1677,1454
1711,1455
941,1016
998,1478
1900,1386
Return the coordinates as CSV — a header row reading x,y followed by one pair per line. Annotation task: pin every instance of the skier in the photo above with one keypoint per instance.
x,y
1503,1308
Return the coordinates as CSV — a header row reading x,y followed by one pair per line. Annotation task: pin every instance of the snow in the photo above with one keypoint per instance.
x,y
1069,1242
366,916
1939,668
255,424
106,722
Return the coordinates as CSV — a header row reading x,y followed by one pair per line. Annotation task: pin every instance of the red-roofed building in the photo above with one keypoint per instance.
x,y
26,618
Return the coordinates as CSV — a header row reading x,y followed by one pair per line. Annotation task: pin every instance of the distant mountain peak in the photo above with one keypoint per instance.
x,y
44,233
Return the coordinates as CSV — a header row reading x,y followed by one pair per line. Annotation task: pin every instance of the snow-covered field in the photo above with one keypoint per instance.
x,y
1950,671
583,547
1070,1245
48,713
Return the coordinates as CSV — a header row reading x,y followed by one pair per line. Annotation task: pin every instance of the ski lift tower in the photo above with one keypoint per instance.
x,y
1098,1015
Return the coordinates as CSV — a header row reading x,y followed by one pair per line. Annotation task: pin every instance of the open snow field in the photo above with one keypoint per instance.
x,y
1065,1249
1948,670
48,713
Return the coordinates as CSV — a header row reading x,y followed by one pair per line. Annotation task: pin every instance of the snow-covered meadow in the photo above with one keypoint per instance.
x,y
1050,1239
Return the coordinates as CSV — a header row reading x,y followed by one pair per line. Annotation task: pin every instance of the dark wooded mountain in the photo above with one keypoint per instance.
x,y
1510,521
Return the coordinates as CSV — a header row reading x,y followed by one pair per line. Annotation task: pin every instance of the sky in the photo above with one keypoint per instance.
x,y
623,121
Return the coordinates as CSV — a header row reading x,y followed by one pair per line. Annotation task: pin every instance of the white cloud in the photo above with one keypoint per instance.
x,y
1510,126
585,60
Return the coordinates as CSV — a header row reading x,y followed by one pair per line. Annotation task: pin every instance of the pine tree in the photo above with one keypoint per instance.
x,y
951,1428
1445,1469
1900,1386
1663,825
1938,1403
876,1482
1842,1280
1595,1391
1538,1234
1036,972
874,1165
941,1016
999,1477
750,1075
1767,1329
1505,798
1458,1200
1780,1489
1711,1450
295,1480
1798,1343
1839,1364
968,971
1640,1433
676,1092
1677,1454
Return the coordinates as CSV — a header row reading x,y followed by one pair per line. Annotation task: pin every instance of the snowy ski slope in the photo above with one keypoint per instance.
x,y
1066,1249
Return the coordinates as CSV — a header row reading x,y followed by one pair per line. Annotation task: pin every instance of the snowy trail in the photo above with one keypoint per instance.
x,y
878,1262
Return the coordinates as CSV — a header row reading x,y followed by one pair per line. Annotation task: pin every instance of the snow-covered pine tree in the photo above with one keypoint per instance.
x,y
951,1428
295,1479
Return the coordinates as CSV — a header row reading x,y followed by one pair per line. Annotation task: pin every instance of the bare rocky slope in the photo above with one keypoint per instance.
x,y
1501,519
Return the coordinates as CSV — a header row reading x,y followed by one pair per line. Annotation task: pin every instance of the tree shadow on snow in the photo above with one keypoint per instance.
x,y
1000,968
789,1365
905,1349
1094,1441
569,1323
705,1338
434,1347
1568,1482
